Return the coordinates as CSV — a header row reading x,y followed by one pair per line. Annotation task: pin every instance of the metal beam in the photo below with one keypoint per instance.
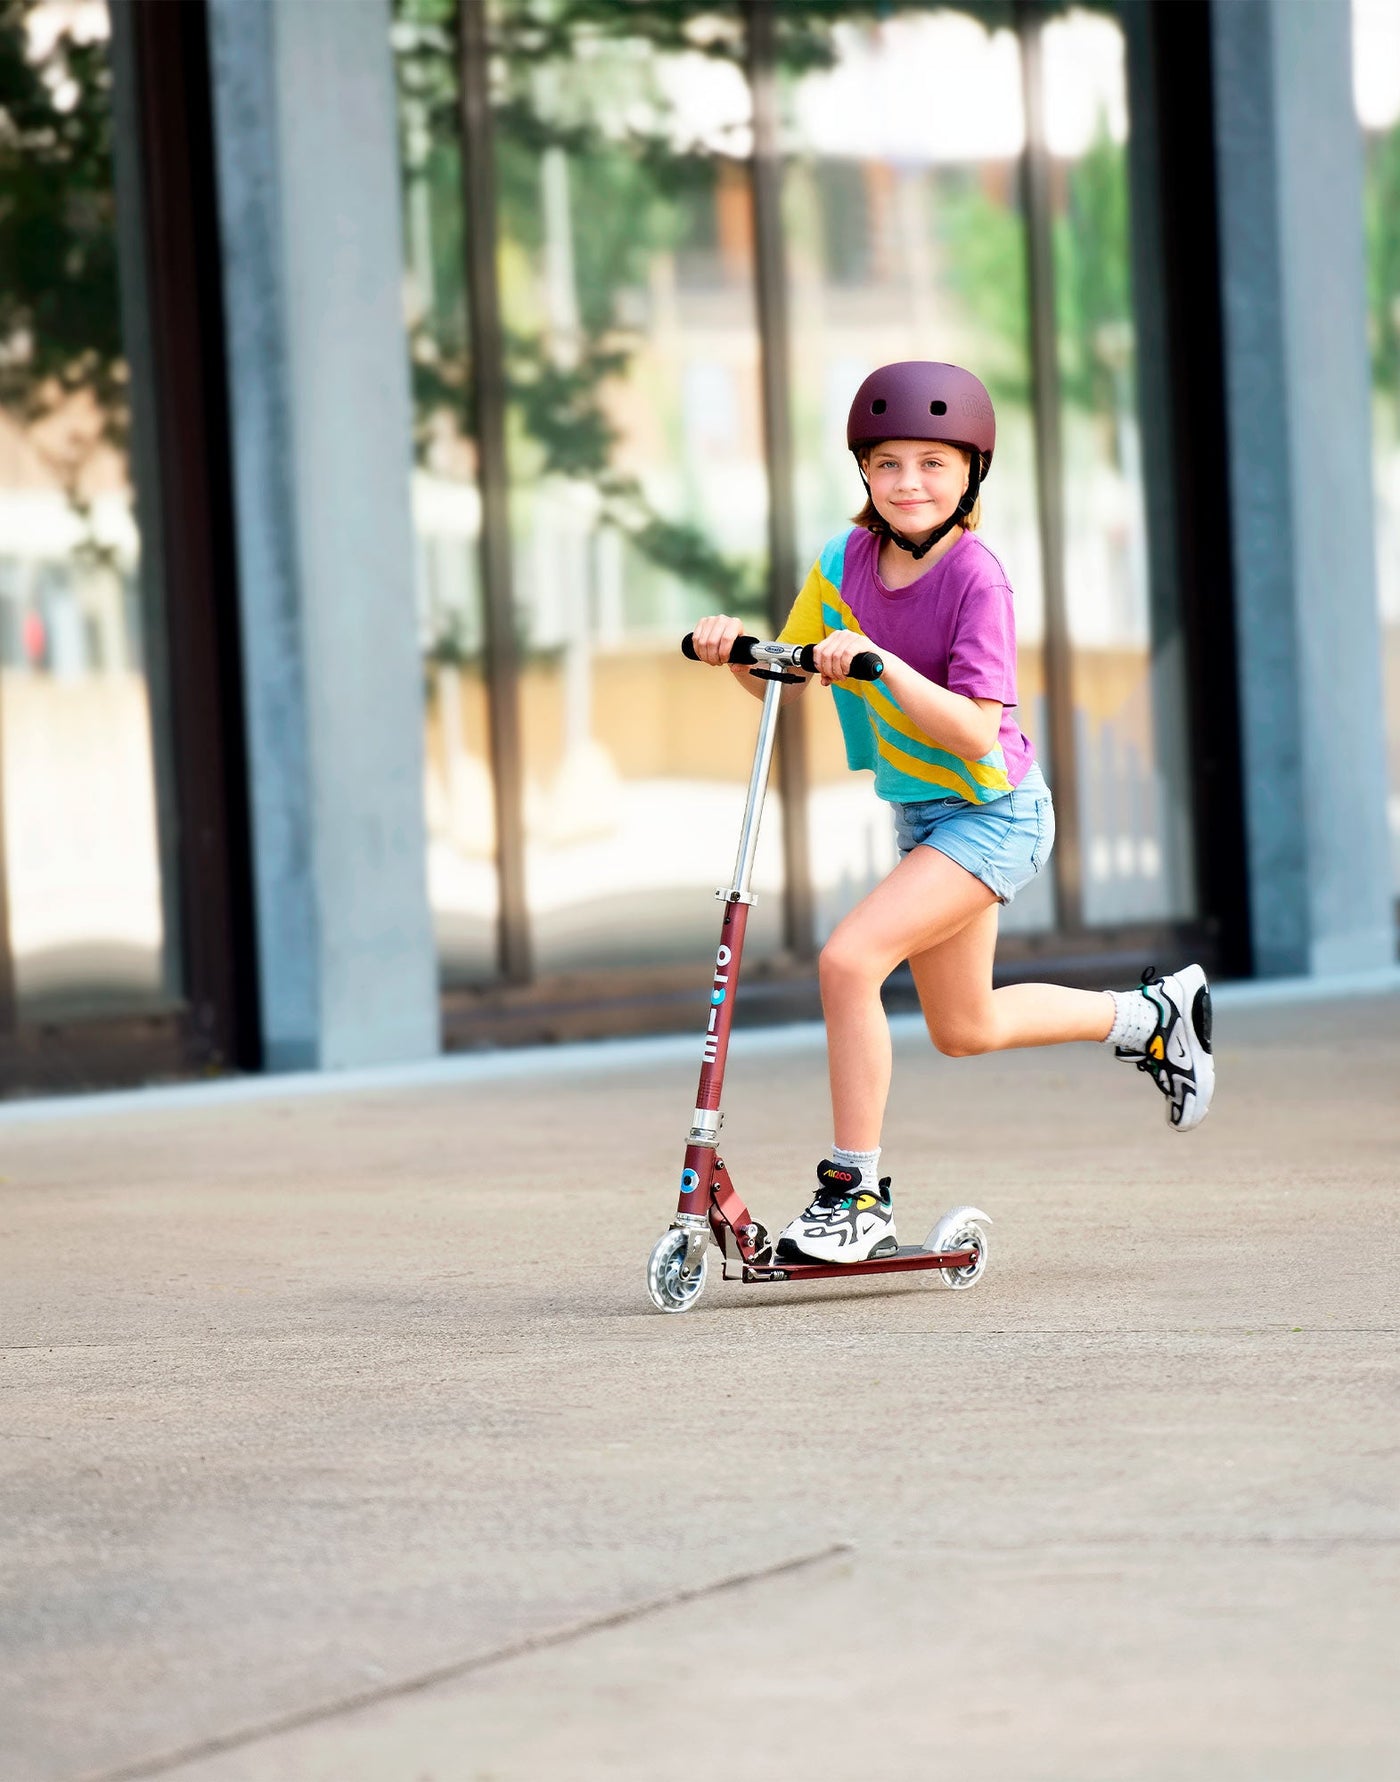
x,y
487,343
1067,859
766,173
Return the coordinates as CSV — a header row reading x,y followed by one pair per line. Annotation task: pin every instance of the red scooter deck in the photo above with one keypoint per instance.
x,y
907,1257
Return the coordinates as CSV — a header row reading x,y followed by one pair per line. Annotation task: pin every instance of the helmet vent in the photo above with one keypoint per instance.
x,y
938,408
877,407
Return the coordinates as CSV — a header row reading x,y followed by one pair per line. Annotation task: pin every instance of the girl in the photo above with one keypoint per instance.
x,y
973,815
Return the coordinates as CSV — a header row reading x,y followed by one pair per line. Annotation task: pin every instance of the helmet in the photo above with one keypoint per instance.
x,y
922,399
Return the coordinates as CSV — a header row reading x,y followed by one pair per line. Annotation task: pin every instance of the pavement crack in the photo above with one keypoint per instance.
x,y
459,1668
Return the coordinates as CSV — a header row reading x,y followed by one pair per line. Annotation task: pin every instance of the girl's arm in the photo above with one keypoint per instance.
x,y
966,727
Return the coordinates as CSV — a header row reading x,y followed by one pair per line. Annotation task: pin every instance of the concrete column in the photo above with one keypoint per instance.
x,y
1298,394
304,112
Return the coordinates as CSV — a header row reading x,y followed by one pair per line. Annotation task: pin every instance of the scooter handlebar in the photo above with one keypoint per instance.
x,y
741,651
866,666
745,651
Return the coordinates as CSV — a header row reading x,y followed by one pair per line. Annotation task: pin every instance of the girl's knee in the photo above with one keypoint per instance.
x,y
960,1036
842,961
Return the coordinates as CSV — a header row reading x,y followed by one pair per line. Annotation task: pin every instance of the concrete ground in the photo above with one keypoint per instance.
x,y
340,1442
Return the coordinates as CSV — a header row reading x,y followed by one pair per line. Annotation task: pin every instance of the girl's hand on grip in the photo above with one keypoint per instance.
x,y
713,638
835,654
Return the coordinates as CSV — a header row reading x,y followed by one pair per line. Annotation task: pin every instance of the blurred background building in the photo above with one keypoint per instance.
x,y
385,388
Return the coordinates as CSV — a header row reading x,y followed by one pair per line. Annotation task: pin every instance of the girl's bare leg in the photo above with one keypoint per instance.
x,y
940,918
965,1015
926,899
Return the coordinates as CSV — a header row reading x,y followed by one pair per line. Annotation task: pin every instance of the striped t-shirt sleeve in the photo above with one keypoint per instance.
x,y
805,624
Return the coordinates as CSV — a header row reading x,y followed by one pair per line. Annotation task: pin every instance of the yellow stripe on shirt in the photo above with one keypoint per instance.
x,y
919,769
805,622
992,778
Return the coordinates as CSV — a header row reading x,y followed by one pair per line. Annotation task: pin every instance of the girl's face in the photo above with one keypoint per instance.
x,y
916,485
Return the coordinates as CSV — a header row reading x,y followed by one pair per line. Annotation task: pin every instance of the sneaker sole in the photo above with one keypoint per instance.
x,y
788,1251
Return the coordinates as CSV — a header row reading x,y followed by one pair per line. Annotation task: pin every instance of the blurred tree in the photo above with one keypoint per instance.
x,y
1093,295
60,317
1383,258
985,240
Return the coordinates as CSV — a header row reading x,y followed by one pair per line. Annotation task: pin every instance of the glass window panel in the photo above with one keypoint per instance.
x,y
87,931
1127,664
638,495
904,241
459,796
1376,48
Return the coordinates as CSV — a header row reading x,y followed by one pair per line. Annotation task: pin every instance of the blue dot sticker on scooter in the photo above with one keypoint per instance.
x,y
716,997
689,1181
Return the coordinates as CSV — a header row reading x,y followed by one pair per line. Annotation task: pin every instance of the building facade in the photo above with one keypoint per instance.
x,y
387,387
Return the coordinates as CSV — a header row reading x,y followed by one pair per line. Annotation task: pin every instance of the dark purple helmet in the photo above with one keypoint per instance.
x,y
920,399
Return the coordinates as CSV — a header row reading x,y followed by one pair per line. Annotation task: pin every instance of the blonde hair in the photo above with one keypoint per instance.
x,y
874,521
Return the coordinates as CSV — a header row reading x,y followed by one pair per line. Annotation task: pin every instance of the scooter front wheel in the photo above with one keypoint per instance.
x,y
670,1287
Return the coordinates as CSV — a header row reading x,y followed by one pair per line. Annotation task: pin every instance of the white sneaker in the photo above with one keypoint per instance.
x,y
846,1222
1177,1056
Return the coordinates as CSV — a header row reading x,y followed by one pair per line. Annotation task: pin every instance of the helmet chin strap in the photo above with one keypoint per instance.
x,y
921,550
960,512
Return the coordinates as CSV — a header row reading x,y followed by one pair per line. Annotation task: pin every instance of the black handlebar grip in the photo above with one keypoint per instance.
x,y
741,651
867,666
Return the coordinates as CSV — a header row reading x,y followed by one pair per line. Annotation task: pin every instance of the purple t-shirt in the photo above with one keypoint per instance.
x,y
956,625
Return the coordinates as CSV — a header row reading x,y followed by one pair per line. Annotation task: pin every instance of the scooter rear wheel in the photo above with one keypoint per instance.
x,y
967,1236
964,1228
670,1287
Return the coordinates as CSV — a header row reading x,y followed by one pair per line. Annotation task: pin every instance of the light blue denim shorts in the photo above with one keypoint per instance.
x,y
1004,843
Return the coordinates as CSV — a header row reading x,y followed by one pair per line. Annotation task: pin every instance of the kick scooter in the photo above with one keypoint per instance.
x,y
710,1209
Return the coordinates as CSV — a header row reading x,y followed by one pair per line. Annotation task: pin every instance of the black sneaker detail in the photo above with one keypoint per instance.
x,y
1201,1016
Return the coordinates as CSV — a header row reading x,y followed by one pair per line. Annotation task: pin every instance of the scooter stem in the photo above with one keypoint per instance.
x,y
758,787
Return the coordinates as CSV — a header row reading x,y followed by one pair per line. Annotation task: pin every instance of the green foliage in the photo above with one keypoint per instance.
x,y
682,549
986,264
1383,258
60,322
537,31
1093,294
450,648
561,408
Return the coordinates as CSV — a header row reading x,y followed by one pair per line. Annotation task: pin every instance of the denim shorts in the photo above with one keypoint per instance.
x,y
1004,843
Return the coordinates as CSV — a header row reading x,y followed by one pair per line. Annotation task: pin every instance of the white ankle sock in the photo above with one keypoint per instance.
x,y
867,1162
1134,1020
